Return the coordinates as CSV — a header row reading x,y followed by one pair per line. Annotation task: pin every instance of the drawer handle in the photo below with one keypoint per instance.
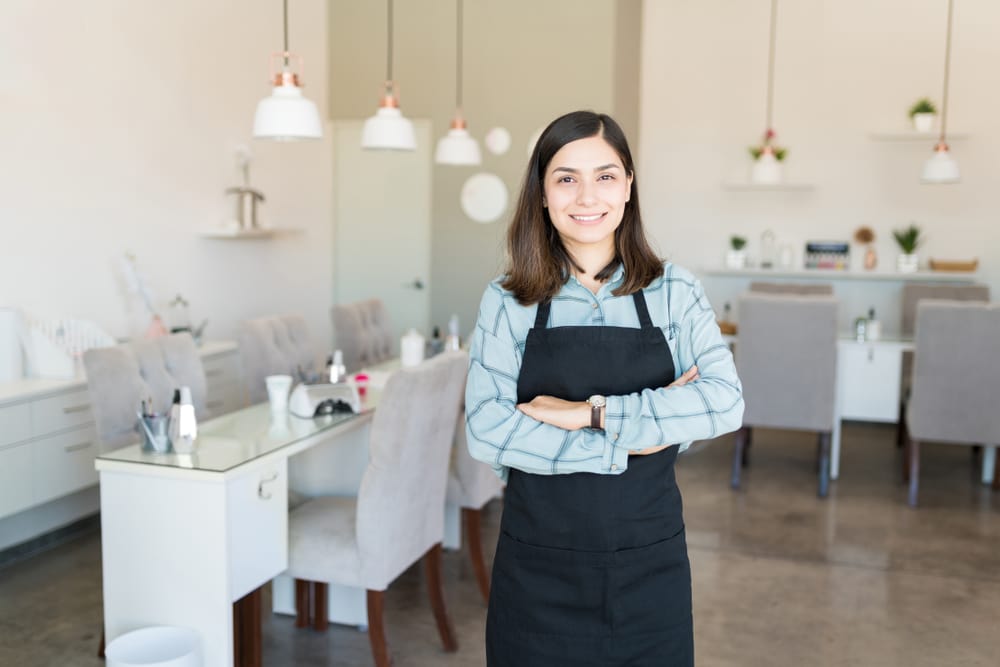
x,y
83,407
78,447
266,495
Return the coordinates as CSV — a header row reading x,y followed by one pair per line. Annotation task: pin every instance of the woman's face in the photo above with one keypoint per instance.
x,y
586,188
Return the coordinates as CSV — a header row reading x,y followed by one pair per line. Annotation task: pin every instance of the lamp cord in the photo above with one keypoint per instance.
x,y
947,69
458,58
388,65
770,63
285,14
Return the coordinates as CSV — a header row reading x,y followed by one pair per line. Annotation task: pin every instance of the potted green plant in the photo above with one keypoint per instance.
x,y
922,115
908,239
767,158
736,258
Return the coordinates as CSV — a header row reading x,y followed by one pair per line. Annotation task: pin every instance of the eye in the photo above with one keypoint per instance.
x,y
606,177
565,179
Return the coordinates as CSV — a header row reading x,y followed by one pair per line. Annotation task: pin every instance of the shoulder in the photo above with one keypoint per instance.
x,y
499,308
675,280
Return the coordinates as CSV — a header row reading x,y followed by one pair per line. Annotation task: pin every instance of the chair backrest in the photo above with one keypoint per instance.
x,y
471,483
786,357
363,332
916,292
956,373
401,499
118,378
274,346
801,289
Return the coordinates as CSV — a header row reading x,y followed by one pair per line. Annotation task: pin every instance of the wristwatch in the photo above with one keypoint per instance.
x,y
597,403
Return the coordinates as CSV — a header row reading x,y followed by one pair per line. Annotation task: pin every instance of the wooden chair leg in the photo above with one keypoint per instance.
x,y
996,471
824,463
740,445
321,615
376,628
302,588
914,449
901,434
100,649
435,589
906,460
473,530
247,649
748,441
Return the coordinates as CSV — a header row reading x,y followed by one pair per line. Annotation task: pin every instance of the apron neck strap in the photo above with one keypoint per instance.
x,y
640,307
542,316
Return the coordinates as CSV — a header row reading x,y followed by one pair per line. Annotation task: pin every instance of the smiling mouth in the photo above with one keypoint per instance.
x,y
589,219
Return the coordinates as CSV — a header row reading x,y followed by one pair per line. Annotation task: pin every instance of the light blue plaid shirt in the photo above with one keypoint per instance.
x,y
504,437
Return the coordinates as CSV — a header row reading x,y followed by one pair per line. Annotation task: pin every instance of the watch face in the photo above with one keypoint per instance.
x,y
596,401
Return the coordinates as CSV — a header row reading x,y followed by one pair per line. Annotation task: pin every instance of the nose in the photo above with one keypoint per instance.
x,y
586,194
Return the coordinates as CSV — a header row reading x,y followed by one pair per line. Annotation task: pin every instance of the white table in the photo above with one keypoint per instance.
x,y
184,537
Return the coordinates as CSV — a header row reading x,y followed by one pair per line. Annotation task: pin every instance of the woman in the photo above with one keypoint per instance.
x,y
574,397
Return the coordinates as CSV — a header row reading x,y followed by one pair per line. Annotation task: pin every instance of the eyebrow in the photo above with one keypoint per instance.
x,y
603,167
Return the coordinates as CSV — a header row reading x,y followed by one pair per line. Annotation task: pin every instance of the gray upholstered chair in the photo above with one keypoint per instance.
x,y
119,377
398,514
956,380
275,346
914,293
363,332
801,289
471,484
786,358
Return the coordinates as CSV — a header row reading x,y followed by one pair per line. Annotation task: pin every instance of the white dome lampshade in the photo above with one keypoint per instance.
x,y
458,147
388,129
286,114
941,167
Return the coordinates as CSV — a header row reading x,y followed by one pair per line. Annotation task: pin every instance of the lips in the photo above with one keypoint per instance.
x,y
593,219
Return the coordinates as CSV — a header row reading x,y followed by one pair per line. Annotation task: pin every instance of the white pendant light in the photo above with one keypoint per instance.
x,y
388,129
286,115
766,169
941,168
458,147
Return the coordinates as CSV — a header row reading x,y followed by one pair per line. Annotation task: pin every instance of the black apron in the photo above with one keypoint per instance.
x,y
592,569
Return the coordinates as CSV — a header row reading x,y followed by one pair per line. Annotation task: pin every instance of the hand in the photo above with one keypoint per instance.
x,y
569,415
690,375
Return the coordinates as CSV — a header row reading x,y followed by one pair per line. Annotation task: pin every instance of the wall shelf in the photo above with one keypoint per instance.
x,y
832,274
735,186
225,234
904,136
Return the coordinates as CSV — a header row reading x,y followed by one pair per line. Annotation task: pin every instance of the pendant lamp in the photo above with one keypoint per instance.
x,y
388,129
458,147
286,114
941,167
768,155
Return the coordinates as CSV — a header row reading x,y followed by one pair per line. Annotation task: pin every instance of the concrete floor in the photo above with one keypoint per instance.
x,y
780,577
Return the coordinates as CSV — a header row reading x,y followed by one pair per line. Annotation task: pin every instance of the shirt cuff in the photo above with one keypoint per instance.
x,y
615,458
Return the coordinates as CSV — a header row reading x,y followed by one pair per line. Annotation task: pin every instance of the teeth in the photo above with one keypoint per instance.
x,y
587,218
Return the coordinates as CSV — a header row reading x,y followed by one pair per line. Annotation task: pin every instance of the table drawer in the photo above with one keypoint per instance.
x,y
15,423
60,412
257,507
15,479
221,368
64,463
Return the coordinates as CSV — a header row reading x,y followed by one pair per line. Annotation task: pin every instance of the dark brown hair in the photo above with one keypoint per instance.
x,y
538,263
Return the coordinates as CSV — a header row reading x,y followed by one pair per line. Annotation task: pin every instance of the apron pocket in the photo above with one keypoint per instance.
x,y
547,591
650,588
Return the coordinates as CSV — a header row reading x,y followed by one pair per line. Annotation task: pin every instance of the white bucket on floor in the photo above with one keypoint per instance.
x,y
160,646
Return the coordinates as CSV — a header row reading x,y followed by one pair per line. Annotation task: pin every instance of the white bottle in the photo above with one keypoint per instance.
x,y
337,369
874,328
411,348
183,424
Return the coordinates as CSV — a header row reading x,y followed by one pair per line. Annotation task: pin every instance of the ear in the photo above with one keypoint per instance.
x,y
628,197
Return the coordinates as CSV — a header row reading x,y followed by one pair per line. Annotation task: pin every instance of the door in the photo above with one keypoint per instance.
x,y
382,226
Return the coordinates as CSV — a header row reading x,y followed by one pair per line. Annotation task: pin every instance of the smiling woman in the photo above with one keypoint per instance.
x,y
575,396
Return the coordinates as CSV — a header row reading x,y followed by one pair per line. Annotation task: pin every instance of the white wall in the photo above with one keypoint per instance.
x,y
117,123
845,68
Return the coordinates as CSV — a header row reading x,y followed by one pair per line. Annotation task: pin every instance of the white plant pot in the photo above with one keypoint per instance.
x,y
907,263
766,170
923,122
736,259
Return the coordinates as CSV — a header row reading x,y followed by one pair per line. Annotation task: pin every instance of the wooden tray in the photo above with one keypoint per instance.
x,y
954,265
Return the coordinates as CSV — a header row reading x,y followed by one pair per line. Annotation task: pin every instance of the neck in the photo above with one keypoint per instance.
x,y
591,259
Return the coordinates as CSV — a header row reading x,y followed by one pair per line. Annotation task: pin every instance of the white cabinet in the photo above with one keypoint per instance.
x,y
15,478
257,506
868,380
64,463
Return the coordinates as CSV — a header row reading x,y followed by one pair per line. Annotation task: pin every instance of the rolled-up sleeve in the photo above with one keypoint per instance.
x,y
500,434
699,410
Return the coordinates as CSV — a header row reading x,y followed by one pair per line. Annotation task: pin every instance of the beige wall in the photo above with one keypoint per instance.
x,y
526,62
844,69
119,120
